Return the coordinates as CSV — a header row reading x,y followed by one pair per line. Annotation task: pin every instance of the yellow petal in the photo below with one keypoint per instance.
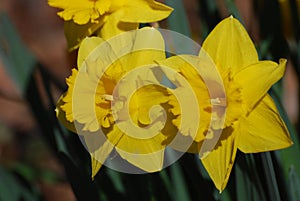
x,y
82,16
138,59
257,79
219,162
230,46
81,12
64,108
86,47
102,6
113,25
151,162
76,33
145,11
96,166
99,145
57,3
132,50
139,47
136,42
61,115
146,154
128,16
83,102
263,130
116,4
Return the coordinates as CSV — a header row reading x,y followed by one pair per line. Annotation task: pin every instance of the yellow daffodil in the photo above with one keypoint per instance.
x,y
115,101
106,17
252,123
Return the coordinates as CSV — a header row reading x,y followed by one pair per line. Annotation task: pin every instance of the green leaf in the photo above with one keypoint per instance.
x,y
29,173
166,181
180,186
60,141
201,168
233,10
264,48
212,6
294,184
17,59
248,180
12,190
178,20
116,180
225,196
271,180
81,183
288,157
9,188
180,190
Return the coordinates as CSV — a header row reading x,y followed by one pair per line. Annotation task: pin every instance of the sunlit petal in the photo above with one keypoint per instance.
x,y
230,46
113,25
257,79
87,46
219,162
263,129
75,33
100,146
145,11
61,115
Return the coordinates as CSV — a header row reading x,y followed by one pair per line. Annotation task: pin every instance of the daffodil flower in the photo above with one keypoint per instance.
x,y
252,123
106,18
257,126
115,101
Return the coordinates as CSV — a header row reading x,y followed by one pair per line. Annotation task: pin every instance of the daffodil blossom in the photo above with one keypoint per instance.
x,y
114,92
106,18
252,123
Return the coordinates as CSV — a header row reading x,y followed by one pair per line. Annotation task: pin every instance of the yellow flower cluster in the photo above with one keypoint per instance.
x,y
109,92
106,18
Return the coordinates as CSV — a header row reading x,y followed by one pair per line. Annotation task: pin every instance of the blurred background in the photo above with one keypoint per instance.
x,y
41,160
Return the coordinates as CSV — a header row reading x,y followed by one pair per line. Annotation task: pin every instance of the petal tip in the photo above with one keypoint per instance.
x,y
282,61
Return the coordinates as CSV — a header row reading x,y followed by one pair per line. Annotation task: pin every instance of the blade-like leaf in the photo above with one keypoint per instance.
x,y
178,181
178,19
11,189
271,180
81,183
288,157
17,59
294,185
248,179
